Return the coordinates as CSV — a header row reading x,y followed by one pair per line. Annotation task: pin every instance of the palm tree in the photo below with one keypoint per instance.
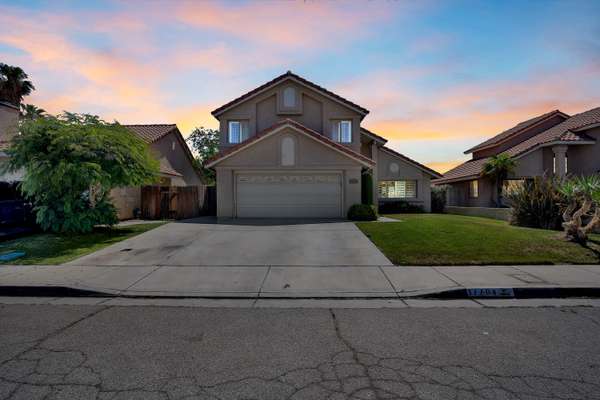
x,y
14,84
30,111
497,168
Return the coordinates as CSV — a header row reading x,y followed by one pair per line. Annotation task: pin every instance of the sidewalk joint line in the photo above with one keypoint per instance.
x,y
157,267
443,274
389,281
261,286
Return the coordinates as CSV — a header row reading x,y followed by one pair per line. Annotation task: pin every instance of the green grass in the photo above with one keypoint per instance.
x,y
51,249
442,239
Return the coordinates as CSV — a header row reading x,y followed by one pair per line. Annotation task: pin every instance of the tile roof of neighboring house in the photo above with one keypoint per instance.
x,y
8,105
516,129
467,170
280,78
566,132
234,149
151,132
167,168
374,135
433,173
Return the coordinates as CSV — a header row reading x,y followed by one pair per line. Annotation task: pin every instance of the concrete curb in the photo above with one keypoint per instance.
x,y
550,292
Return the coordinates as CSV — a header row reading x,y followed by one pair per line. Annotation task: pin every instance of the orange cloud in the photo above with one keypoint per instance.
x,y
443,166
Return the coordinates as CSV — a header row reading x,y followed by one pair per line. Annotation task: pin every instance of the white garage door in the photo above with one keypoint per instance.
x,y
275,195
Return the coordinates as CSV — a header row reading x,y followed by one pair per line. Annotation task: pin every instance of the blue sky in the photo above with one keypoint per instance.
x,y
438,77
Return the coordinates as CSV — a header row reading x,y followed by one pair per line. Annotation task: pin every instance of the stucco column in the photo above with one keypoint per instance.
x,y
374,154
560,155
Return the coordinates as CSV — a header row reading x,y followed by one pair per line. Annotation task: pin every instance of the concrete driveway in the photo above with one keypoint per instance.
x,y
204,242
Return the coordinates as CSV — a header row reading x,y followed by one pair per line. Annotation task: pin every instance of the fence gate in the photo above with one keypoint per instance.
x,y
170,202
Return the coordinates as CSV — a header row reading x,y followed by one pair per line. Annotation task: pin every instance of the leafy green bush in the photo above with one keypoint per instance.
x,y
71,162
537,203
399,207
362,212
438,199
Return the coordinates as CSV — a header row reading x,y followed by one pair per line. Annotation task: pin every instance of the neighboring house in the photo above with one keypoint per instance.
x,y
9,120
552,143
176,166
291,148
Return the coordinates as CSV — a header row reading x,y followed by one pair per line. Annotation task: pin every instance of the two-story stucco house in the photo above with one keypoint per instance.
x,y
291,148
550,144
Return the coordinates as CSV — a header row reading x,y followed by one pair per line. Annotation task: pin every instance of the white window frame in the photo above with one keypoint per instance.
x,y
338,131
229,130
397,183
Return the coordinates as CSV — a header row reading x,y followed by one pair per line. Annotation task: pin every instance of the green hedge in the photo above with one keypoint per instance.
x,y
362,212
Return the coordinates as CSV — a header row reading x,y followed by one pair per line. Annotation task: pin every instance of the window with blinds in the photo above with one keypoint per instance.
x,y
405,189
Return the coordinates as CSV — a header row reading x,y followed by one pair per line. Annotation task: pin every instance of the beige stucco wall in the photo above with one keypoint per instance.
x,y
406,171
458,194
310,156
315,111
585,159
9,120
126,200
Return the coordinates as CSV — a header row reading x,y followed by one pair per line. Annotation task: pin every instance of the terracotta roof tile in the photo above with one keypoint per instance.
x,y
515,129
411,161
281,78
219,156
466,170
566,131
152,132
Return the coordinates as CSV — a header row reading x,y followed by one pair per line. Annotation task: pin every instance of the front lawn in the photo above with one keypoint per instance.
x,y
442,239
50,248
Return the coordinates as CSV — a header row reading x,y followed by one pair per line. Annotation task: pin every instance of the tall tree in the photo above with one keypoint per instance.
x,y
30,111
71,163
14,84
497,169
205,143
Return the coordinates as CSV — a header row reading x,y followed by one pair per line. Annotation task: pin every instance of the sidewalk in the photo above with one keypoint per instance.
x,y
293,281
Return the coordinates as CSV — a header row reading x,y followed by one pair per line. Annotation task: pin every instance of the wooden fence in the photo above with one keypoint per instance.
x,y
170,202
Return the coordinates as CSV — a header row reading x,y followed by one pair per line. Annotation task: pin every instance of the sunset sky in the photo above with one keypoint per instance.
x,y
437,76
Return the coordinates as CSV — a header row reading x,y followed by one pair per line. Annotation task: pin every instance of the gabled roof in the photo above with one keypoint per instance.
x,y
373,135
570,131
150,133
420,166
299,128
289,76
520,127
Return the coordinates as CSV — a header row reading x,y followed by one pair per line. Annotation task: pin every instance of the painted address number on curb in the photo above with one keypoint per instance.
x,y
498,292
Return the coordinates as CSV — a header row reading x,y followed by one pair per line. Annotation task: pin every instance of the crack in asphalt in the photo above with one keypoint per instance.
x,y
41,372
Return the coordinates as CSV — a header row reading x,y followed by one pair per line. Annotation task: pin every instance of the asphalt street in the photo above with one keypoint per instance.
x,y
112,352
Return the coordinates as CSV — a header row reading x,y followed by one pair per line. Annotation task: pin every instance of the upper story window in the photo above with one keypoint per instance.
x,y
289,97
342,131
235,132
474,189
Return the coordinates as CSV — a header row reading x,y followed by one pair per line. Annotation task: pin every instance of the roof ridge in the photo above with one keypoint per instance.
x,y
149,124
514,130
288,74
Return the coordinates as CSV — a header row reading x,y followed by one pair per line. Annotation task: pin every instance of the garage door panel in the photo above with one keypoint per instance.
x,y
298,195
